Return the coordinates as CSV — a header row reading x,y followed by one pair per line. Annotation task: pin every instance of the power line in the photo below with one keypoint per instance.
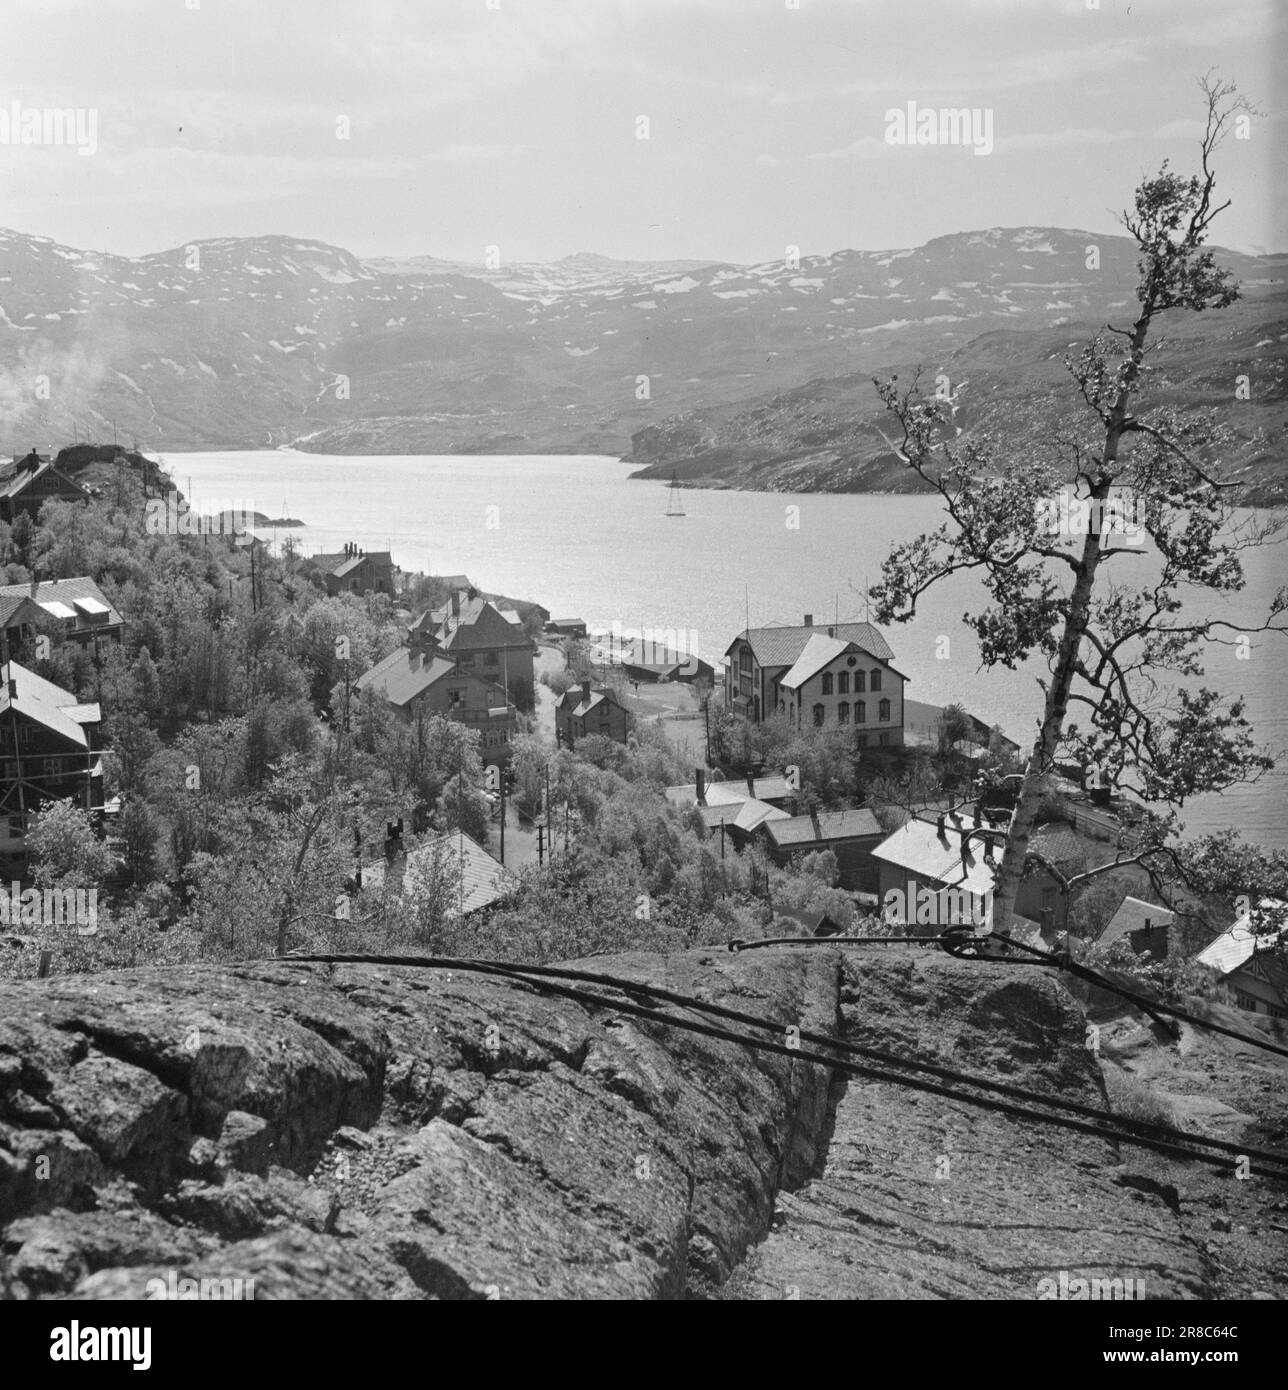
x,y
545,979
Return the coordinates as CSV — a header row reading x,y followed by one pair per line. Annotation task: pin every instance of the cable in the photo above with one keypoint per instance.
x,y
1049,958
890,1058
515,975
1149,1005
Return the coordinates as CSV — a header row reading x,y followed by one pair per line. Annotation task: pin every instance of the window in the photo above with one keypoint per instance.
x,y
843,712
467,658
818,716
827,683
883,739
744,659
863,740
490,659
52,766
860,711
860,679
883,711
876,681
843,683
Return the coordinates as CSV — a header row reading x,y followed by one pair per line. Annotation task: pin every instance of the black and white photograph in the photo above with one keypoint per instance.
x,y
643,650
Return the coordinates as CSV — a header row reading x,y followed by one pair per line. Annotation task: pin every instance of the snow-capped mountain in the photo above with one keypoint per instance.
x,y
245,342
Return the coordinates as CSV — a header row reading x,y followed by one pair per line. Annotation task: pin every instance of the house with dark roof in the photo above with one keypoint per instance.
x,y
850,835
1251,967
76,609
688,670
1144,926
357,571
834,675
49,751
423,678
584,710
28,483
482,639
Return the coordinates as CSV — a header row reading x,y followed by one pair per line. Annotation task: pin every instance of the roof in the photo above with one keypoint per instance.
x,y
813,923
917,846
782,646
746,813
826,825
731,791
406,674
46,704
479,626
61,597
754,813
1236,946
1133,915
9,605
17,482
484,880
1058,843
820,651
580,707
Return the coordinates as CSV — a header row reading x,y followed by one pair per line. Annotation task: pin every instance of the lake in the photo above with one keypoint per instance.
x,y
573,534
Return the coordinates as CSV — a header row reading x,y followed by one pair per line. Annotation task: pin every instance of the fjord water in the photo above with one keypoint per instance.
x,y
577,536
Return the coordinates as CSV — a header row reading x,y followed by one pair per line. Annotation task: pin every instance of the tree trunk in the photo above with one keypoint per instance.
x,y
1042,759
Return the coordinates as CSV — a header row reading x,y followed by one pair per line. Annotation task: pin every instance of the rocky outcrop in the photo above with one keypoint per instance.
x,y
364,1131
357,1131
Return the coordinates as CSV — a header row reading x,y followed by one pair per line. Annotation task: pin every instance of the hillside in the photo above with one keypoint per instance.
x,y
751,370
827,435
349,1131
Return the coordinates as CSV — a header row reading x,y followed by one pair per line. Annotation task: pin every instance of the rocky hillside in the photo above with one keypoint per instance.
x,y
251,342
1010,386
364,1131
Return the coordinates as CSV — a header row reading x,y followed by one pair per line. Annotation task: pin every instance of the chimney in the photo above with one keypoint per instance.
x,y
940,827
809,620
831,631
393,839
585,690
456,603
700,785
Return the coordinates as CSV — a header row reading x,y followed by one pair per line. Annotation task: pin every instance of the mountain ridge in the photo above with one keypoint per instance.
x,y
253,342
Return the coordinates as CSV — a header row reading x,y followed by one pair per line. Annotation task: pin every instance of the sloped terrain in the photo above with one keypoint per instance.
x,y
363,1131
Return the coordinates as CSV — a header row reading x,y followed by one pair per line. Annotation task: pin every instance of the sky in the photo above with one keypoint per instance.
x,y
445,127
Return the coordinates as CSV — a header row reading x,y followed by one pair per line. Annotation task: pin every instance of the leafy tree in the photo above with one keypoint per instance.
x,y
64,848
1105,641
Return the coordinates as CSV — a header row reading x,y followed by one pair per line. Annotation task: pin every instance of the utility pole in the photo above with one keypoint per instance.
x,y
550,814
540,845
505,782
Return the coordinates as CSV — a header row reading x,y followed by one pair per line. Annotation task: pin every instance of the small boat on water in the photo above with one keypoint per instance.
x,y
673,507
